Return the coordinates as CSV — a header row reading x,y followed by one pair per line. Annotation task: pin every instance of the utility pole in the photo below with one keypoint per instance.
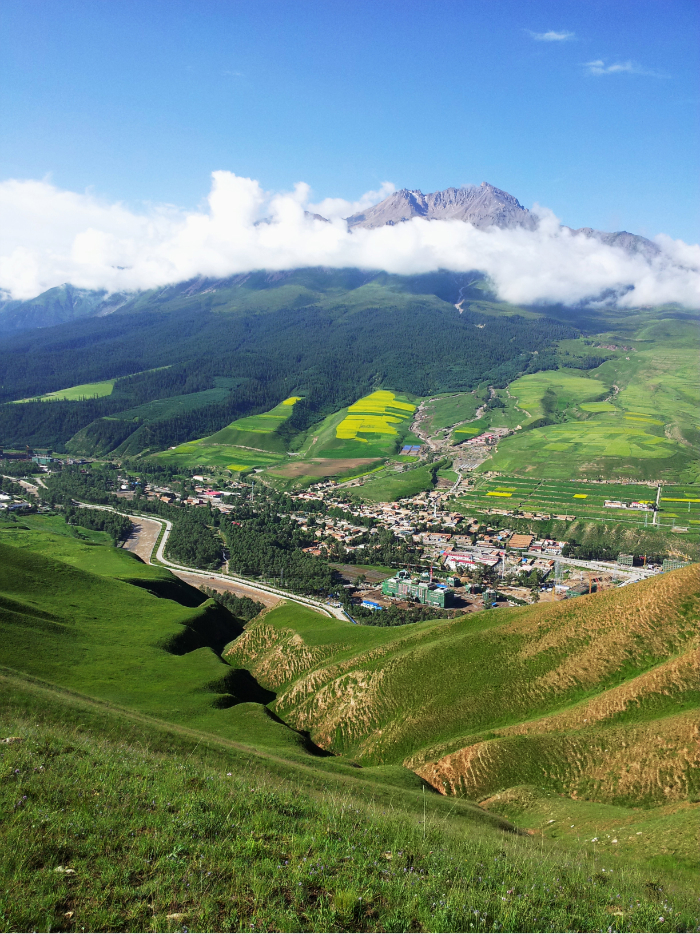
x,y
252,491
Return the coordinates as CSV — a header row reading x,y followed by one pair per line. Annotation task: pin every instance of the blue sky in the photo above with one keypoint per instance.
x,y
143,100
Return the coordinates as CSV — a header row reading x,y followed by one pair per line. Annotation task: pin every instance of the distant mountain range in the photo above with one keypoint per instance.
x,y
483,206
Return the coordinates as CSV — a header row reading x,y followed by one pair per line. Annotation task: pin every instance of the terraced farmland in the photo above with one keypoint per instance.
x,y
679,506
244,444
374,426
557,497
376,414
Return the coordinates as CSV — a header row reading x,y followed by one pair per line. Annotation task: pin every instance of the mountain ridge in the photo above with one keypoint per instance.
x,y
482,206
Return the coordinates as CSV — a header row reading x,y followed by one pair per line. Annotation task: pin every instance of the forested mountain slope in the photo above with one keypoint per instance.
x,y
244,349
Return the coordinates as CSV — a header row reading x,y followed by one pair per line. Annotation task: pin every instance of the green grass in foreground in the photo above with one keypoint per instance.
x,y
110,827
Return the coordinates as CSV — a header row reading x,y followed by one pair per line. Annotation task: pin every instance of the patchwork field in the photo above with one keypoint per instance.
x,y
257,431
202,454
244,444
376,414
605,446
565,389
552,497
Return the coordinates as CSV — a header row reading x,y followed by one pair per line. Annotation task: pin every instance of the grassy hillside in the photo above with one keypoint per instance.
x,y
77,393
595,699
634,416
180,781
113,822
129,634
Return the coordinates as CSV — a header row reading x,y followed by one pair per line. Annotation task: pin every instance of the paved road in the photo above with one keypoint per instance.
x,y
255,590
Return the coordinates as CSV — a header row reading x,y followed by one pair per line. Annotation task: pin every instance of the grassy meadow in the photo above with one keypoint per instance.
x,y
118,823
646,427
77,393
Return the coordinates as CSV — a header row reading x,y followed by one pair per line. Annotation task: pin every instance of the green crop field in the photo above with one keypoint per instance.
x,y
76,393
568,386
605,446
392,485
556,497
244,444
202,454
470,430
449,410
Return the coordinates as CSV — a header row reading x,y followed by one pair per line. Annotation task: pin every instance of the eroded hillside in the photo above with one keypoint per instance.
x,y
594,698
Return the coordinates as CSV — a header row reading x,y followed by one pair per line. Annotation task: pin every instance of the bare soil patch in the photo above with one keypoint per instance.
x,y
143,538
240,590
323,467
350,573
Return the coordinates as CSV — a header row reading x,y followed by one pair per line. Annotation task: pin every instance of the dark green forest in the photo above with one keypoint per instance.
x,y
118,526
220,361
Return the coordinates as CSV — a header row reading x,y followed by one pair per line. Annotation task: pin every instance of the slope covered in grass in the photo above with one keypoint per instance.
x,y
150,644
111,822
593,698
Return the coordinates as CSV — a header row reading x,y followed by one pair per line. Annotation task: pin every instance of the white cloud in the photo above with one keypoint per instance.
x,y
339,207
598,67
552,36
49,236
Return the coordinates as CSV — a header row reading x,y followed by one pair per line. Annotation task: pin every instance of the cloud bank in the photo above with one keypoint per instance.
x,y
49,237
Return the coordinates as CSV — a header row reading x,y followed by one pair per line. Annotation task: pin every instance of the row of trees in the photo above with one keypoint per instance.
x,y
99,520
241,607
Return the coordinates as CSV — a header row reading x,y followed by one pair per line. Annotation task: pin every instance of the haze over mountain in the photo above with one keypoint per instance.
x,y
52,238
481,206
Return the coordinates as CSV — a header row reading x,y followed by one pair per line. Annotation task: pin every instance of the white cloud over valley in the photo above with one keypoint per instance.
x,y
49,236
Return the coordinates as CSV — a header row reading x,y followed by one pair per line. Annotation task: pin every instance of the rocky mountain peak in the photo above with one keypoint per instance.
x,y
481,205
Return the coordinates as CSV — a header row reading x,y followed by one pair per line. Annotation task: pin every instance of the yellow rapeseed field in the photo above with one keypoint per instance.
x,y
376,413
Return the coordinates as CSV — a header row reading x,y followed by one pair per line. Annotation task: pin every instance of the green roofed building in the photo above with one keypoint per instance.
x,y
403,588
627,560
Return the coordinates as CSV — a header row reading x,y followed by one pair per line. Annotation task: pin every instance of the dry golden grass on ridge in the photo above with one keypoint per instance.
x,y
588,696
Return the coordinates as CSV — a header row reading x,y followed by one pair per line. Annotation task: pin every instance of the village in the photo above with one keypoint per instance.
x,y
458,562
